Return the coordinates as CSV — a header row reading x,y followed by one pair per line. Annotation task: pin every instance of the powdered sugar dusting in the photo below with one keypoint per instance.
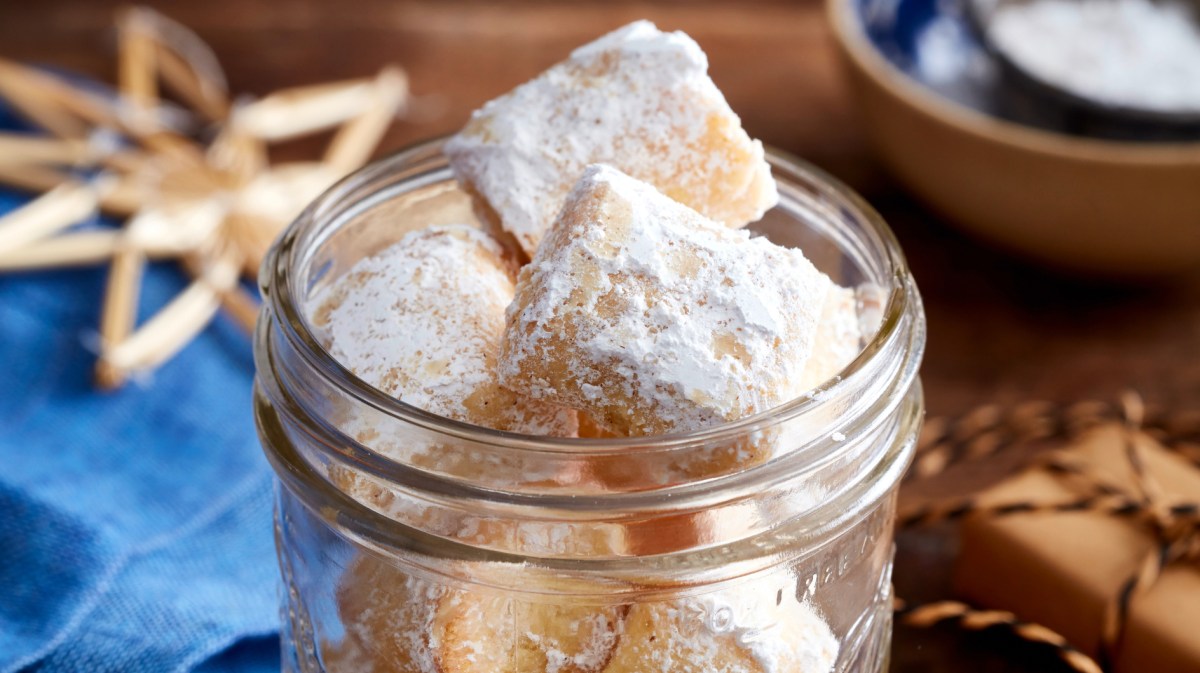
x,y
422,321
655,319
638,99
758,627
838,339
410,624
492,633
780,632
388,616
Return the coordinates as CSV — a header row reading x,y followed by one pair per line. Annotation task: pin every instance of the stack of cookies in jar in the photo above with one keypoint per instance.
x,y
611,291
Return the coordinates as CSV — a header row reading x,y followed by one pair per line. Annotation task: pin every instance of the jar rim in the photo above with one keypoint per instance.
x,y
299,239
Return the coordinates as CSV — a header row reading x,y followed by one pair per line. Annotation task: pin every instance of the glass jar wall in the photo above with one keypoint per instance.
x,y
411,543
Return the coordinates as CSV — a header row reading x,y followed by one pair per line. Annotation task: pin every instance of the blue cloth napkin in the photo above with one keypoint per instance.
x,y
135,526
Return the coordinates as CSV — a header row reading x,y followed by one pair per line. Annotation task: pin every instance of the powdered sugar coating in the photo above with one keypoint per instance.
x,y
389,618
838,340
422,321
758,627
400,623
654,319
493,633
638,99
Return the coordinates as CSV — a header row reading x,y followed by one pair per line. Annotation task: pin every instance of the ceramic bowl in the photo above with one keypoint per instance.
x,y
932,102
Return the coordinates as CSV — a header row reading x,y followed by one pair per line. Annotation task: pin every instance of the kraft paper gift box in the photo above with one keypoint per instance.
x,y
1062,569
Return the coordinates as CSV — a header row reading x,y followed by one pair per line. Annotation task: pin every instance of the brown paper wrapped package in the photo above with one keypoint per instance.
x,y
1062,569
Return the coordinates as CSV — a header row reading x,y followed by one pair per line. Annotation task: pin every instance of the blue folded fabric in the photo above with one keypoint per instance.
x,y
135,526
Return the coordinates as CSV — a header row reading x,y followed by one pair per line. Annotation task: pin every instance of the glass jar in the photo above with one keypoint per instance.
x,y
410,543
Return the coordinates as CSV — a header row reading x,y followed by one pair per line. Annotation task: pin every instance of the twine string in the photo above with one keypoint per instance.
x,y
990,429
971,619
1175,533
987,431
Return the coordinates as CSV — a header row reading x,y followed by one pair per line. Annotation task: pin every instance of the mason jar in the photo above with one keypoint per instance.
x,y
412,543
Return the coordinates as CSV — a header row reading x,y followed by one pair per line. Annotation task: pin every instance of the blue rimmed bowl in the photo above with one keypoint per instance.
x,y
935,107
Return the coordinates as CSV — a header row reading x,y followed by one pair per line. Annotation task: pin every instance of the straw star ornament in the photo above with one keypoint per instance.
x,y
192,180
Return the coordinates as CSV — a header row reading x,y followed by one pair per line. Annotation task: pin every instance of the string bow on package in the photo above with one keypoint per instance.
x,y
1099,541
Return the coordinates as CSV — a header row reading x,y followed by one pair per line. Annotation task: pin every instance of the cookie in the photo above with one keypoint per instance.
x,y
638,99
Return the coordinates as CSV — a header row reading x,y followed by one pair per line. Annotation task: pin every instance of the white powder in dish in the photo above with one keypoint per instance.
x,y
1132,53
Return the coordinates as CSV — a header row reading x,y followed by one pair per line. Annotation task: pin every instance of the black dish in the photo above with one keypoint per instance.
x,y
1028,98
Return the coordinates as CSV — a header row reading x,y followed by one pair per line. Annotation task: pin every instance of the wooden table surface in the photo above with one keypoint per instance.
x,y
999,330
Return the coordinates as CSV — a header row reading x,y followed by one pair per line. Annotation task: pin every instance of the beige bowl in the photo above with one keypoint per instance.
x,y
1100,207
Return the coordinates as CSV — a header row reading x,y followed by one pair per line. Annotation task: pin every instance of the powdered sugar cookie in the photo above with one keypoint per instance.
x,y
638,99
397,623
838,340
422,321
388,617
481,633
757,627
654,319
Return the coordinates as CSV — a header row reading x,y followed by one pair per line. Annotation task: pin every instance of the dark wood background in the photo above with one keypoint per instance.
x,y
999,330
